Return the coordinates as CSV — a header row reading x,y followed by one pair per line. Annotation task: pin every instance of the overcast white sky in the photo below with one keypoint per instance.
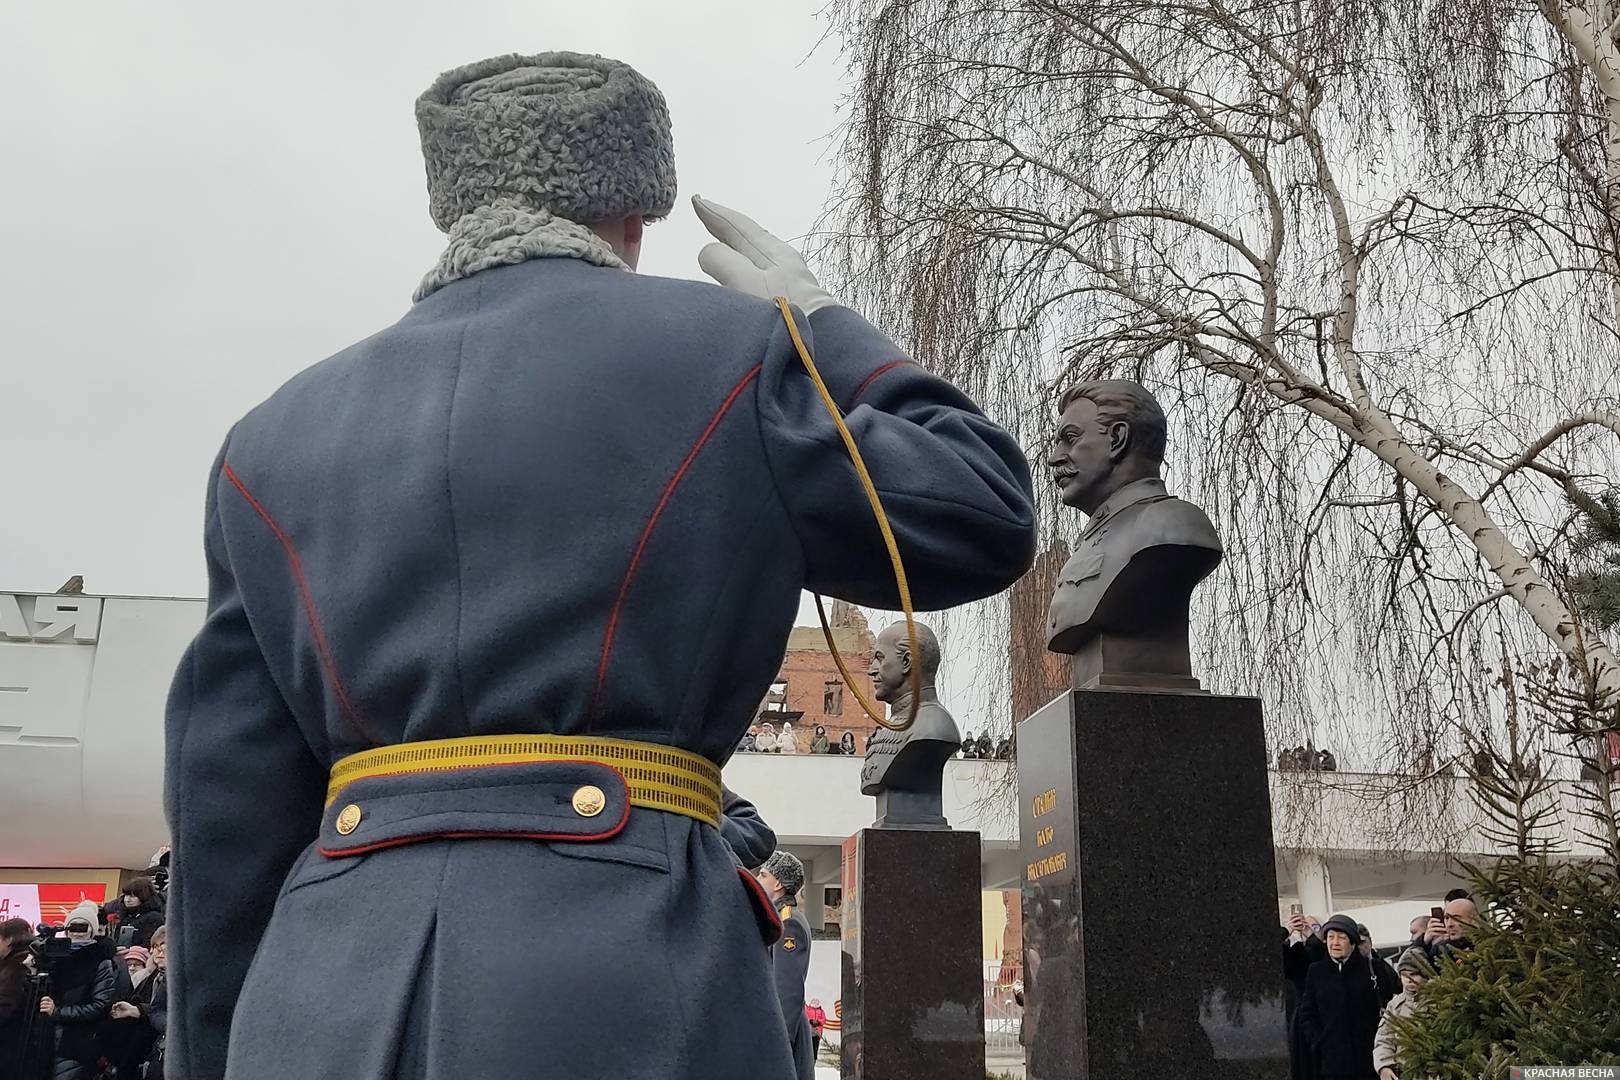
x,y
202,199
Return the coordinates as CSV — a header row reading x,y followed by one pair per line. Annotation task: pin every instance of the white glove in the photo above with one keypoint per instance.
x,y
752,261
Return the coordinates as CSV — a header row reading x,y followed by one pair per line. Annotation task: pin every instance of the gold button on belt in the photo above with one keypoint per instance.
x,y
656,777
589,800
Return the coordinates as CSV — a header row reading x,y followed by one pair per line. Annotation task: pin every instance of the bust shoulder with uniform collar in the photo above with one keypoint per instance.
x,y
1120,606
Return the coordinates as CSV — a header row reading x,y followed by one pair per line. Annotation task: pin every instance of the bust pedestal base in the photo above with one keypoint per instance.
x,y
910,810
913,982
1151,942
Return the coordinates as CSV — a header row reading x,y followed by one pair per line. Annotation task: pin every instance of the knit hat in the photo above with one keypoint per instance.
x,y
1345,925
1416,961
89,912
584,137
785,867
134,956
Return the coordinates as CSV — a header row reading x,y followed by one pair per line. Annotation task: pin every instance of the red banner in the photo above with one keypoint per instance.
x,y
57,899
47,902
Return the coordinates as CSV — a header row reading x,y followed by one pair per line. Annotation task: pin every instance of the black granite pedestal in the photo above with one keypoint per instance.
x,y
913,980
1151,943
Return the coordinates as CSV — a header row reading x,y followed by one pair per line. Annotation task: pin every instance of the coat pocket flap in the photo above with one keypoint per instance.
x,y
579,801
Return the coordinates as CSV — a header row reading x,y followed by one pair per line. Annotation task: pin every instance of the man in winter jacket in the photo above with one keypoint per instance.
x,y
83,984
1445,939
1338,1015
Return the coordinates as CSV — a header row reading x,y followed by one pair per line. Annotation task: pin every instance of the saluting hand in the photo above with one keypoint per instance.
x,y
750,259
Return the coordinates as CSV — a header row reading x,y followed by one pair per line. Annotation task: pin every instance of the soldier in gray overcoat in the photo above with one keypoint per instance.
x,y
782,875
495,591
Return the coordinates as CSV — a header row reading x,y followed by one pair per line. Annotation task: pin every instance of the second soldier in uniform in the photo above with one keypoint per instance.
x,y
783,877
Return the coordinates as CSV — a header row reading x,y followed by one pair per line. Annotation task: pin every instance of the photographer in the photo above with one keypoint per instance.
x,y
82,986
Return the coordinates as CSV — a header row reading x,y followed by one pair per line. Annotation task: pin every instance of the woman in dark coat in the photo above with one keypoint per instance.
x,y
1338,1016
138,905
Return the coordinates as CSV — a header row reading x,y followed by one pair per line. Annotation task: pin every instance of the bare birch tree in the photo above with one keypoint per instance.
x,y
1364,252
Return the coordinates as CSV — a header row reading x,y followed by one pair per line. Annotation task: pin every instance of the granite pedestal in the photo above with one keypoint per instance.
x,y
913,981
1151,942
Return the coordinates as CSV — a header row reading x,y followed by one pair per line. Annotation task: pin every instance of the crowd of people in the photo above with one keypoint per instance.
x,y
1342,996
985,750
1309,759
87,1000
1306,759
766,738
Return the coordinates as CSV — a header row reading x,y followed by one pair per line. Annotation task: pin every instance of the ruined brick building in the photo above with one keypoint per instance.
x,y
808,690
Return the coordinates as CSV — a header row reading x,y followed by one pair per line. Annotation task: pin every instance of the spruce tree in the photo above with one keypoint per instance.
x,y
1540,982
1595,585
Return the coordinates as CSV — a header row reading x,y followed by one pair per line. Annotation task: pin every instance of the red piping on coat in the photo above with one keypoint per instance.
x,y
322,649
765,904
866,383
646,534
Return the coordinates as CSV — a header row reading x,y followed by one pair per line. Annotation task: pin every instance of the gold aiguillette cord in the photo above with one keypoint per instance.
x,y
888,542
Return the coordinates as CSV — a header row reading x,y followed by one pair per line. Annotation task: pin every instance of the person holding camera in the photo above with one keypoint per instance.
x,y
83,983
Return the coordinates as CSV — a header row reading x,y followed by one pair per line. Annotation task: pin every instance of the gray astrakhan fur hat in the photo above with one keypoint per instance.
x,y
786,868
584,137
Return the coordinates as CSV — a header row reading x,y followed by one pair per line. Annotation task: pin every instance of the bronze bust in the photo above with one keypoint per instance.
x,y
905,769
1121,603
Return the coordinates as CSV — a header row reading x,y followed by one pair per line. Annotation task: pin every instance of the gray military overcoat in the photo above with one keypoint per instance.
x,y
791,963
552,498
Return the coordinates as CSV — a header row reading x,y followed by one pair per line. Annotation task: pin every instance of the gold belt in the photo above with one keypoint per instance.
x,y
657,777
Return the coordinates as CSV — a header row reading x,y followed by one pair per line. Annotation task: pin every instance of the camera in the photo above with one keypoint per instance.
x,y
49,945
